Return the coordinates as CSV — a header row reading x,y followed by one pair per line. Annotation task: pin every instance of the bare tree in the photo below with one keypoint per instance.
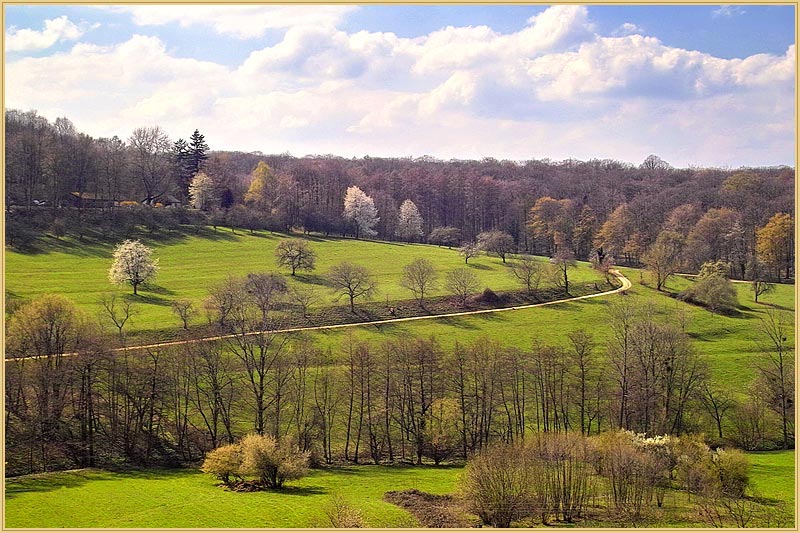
x,y
497,243
296,254
663,258
150,150
118,311
562,262
419,277
461,282
353,281
184,309
776,372
304,297
528,271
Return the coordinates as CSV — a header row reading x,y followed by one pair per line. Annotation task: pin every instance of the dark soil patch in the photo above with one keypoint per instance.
x,y
432,510
246,486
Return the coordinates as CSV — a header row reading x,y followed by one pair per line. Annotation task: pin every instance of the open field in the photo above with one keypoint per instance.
x,y
188,498
190,264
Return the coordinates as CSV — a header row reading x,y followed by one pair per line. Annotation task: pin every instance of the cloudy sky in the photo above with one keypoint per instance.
x,y
697,85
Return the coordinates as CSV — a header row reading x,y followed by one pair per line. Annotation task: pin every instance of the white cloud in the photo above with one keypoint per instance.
x,y
728,11
628,28
553,89
54,31
239,21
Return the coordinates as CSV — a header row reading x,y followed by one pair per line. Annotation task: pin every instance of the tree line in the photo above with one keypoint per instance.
x,y
604,208
407,399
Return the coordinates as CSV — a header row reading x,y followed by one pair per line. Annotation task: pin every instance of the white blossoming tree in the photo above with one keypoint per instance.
x,y
409,221
133,263
360,210
201,191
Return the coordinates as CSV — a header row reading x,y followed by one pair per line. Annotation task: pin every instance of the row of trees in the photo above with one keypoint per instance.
x,y
578,207
553,478
82,404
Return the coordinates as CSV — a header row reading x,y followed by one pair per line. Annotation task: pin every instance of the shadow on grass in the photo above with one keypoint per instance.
x,y
299,491
48,482
478,266
311,279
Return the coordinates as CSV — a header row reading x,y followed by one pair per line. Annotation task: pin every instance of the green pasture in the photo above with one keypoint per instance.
x,y
189,499
189,265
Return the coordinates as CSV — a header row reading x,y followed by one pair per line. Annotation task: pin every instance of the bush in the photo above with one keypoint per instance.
x,y
223,463
732,469
341,514
497,485
273,462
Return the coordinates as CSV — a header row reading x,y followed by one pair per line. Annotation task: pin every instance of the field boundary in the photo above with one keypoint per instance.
x,y
625,285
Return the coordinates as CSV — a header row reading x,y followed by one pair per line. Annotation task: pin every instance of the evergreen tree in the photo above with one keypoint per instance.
x,y
197,151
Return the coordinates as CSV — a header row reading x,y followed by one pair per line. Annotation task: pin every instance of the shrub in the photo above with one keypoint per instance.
x,y
341,514
561,465
273,462
732,470
497,484
223,463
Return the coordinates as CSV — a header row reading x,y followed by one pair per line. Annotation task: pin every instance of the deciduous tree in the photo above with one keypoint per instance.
x,y
359,209
419,277
409,221
133,263
353,281
296,254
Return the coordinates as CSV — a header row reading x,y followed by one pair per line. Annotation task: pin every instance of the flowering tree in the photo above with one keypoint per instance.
x,y
201,191
360,210
409,221
133,263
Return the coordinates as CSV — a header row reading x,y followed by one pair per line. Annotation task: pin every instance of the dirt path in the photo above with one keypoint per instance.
x,y
626,284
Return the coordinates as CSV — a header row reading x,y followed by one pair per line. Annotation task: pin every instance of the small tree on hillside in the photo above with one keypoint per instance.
x,y
469,250
461,282
528,271
562,262
497,243
712,288
353,281
184,309
133,263
296,254
663,258
409,221
419,277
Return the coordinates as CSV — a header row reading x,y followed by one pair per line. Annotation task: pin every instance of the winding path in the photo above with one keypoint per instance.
x,y
625,285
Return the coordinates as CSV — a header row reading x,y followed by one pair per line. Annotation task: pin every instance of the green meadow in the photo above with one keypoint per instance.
x,y
190,499
190,264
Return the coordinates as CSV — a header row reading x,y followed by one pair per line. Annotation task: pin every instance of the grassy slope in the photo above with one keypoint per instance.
x,y
190,499
728,344
189,265
187,498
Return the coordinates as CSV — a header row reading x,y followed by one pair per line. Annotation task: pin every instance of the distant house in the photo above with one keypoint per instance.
x,y
91,200
163,201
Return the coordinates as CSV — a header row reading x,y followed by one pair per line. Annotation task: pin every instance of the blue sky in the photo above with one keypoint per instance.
x,y
698,85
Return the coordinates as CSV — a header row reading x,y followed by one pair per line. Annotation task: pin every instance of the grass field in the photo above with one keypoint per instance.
x,y
190,264
187,498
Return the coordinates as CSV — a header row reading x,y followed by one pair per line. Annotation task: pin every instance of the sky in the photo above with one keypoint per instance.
x,y
697,85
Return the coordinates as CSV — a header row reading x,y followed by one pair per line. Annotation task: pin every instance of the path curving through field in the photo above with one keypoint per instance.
x,y
625,285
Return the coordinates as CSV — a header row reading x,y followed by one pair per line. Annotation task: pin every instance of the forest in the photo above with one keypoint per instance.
x,y
617,208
